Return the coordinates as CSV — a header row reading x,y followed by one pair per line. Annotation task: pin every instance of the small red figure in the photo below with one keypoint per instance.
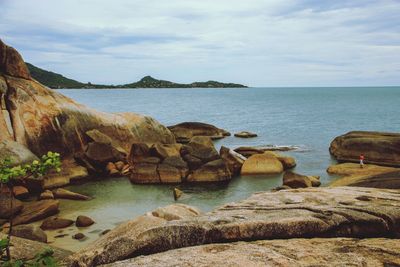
x,y
361,161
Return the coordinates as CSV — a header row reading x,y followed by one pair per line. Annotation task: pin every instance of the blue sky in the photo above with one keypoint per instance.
x,y
254,42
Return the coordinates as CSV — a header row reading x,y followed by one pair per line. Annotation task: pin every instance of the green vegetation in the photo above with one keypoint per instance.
x,y
54,80
9,176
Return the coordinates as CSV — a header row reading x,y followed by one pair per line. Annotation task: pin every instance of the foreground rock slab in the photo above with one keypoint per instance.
x,y
293,252
311,212
378,147
368,176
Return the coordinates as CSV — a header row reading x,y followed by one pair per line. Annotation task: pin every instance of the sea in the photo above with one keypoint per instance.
x,y
308,118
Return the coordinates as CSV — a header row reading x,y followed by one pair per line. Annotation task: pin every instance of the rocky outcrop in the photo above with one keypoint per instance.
x,y
295,180
377,147
213,171
29,232
245,134
185,131
368,176
311,212
18,154
35,211
262,164
45,120
294,252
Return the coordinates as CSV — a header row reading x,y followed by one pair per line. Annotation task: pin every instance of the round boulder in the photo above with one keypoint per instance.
x,y
259,164
83,221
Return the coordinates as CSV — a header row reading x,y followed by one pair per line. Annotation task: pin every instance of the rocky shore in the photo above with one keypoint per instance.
x,y
358,215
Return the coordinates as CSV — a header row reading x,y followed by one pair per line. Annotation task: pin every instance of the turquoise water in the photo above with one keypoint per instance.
x,y
307,117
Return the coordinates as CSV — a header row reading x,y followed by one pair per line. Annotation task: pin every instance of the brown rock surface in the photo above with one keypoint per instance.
x,y
66,194
377,147
55,223
144,173
185,131
213,171
259,164
46,195
11,62
310,212
322,252
30,232
295,180
83,221
5,205
368,176
166,150
35,211
233,160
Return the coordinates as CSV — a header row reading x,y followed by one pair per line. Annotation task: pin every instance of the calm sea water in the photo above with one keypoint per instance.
x,y
307,117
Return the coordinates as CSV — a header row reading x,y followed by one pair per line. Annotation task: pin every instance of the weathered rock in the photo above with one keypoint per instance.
x,y
245,134
177,193
178,163
287,162
137,152
193,162
149,160
144,173
36,211
121,242
20,192
66,194
98,137
5,205
232,159
169,174
11,62
166,150
295,180
25,249
78,236
45,120
30,232
185,131
213,171
203,149
309,212
55,223
83,221
259,164
100,154
377,147
368,176
248,151
17,153
292,252
315,180
46,195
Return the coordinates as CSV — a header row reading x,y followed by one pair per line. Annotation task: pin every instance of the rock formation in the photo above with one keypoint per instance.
x,y
185,131
377,147
311,212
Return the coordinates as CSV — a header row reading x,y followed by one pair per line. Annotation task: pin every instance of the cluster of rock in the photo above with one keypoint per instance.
x,y
310,213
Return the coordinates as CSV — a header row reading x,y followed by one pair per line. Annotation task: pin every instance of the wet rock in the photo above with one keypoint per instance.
x,y
46,195
165,150
259,164
203,149
178,163
307,212
295,180
169,174
144,173
83,221
193,162
5,205
35,211
378,148
245,134
66,194
78,236
177,193
55,223
185,131
30,232
303,252
232,159
214,171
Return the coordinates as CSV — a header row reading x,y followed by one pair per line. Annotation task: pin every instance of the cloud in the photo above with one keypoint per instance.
x,y
255,42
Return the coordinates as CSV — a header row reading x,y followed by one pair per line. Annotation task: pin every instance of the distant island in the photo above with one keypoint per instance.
x,y
58,81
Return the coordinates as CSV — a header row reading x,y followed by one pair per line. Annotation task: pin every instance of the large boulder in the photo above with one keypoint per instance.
x,y
295,180
166,150
55,223
259,164
45,120
185,131
83,221
309,213
35,211
368,176
292,252
144,173
233,160
202,148
29,232
377,147
213,171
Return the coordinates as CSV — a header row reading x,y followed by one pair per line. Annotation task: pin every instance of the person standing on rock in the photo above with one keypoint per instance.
x,y
362,161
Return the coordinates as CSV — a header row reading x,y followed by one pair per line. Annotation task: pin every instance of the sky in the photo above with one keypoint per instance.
x,y
254,42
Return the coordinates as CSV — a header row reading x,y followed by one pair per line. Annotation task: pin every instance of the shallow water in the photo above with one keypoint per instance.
x,y
307,117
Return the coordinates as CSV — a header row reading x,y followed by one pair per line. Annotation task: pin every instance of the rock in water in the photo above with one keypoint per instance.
x,y
186,130
245,134
83,221
66,194
78,236
295,180
309,212
45,120
177,193
259,164
377,147
55,223
36,211
233,160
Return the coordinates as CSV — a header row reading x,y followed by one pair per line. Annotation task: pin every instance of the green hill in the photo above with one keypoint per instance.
x,y
55,80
